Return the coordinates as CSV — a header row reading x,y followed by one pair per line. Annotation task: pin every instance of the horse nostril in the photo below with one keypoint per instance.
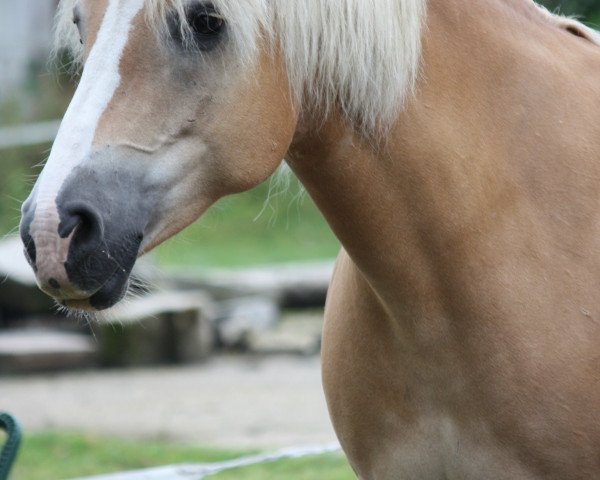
x,y
26,238
85,224
30,251
67,224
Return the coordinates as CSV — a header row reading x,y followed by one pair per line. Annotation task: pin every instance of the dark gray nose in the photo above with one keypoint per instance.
x,y
84,242
102,251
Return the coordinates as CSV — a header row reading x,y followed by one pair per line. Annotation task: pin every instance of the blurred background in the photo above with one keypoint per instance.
x,y
218,349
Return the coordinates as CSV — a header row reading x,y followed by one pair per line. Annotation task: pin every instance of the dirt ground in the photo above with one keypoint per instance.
x,y
232,401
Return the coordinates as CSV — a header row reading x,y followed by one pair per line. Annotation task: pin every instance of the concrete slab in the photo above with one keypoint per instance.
x,y
42,350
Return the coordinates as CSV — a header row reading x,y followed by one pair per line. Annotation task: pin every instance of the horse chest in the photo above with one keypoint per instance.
x,y
396,435
390,434
402,414
436,448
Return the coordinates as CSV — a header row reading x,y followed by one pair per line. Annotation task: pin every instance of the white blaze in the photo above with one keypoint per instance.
x,y
99,81
72,147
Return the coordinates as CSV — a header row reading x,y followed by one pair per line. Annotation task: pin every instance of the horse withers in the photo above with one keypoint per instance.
x,y
452,145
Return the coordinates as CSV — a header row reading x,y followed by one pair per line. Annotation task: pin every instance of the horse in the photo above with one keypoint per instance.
x,y
454,149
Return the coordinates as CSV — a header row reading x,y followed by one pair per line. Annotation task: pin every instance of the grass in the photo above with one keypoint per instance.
x,y
594,20
253,228
18,172
58,456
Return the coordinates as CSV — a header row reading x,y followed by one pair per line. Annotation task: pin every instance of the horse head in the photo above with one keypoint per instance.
x,y
178,105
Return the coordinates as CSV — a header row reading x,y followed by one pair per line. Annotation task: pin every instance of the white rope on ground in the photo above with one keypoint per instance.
x,y
200,472
26,135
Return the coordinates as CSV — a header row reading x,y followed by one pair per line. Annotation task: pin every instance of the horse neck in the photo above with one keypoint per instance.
x,y
367,198
456,170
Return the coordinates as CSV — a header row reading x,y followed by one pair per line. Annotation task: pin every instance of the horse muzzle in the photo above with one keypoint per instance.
x,y
83,243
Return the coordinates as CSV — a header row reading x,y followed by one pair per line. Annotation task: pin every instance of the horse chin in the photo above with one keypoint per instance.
x,y
111,293
77,306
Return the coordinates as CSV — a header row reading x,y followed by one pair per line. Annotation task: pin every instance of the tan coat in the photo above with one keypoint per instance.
x,y
462,337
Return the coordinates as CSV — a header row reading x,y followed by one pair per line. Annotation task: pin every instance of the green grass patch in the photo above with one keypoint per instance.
x,y
59,456
18,173
256,227
594,21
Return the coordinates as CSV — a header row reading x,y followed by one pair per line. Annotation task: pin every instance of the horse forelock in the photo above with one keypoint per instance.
x,y
360,55
66,36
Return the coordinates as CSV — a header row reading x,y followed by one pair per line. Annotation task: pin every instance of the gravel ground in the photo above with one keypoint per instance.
x,y
236,402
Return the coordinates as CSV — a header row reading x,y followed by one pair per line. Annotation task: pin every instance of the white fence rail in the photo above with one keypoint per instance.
x,y
200,472
27,135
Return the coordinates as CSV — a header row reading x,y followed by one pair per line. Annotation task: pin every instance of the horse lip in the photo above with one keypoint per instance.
x,y
69,294
106,296
111,292
82,305
68,298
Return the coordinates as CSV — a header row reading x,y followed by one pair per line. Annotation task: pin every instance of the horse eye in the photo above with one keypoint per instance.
x,y
206,23
206,27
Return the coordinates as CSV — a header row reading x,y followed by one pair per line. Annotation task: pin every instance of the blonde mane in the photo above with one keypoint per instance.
x,y
359,55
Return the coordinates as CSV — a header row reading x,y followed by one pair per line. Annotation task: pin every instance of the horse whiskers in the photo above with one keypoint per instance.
x,y
77,314
10,233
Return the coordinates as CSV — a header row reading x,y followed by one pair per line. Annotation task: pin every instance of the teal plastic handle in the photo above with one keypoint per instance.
x,y
11,447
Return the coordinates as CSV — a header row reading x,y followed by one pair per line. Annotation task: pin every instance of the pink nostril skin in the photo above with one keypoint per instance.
x,y
50,252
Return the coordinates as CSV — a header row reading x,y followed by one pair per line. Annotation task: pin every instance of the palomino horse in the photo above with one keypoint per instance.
x,y
452,145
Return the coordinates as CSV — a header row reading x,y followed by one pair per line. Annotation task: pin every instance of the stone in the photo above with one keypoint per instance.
x,y
19,294
40,349
239,319
297,333
292,285
157,328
